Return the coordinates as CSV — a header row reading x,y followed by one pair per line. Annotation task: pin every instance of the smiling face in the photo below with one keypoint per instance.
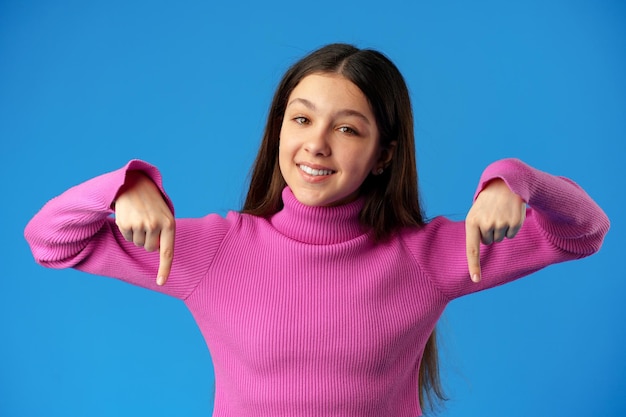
x,y
329,141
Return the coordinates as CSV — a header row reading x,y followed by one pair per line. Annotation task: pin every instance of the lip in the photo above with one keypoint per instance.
x,y
314,179
315,166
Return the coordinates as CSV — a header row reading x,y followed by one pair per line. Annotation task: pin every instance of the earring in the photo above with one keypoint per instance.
x,y
379,171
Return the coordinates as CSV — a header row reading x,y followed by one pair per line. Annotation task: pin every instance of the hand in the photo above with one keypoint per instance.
x,y
496,214
143,217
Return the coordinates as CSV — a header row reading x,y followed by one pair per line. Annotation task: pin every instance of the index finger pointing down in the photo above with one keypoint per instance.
x,y
166,255
472,244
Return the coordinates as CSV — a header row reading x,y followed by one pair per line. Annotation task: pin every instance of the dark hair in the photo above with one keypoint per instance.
x,y
391,199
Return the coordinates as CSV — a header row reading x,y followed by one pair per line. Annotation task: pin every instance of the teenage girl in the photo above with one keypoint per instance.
x,y
320,297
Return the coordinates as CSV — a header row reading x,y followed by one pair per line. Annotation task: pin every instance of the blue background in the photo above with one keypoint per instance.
x,y
86,86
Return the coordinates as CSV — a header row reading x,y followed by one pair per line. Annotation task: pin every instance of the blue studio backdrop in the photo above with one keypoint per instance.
x,y
86,86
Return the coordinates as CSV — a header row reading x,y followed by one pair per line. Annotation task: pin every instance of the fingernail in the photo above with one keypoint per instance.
x,y
476,278
160,280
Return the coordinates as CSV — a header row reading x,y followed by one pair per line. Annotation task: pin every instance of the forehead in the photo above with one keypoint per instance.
x,y
330,90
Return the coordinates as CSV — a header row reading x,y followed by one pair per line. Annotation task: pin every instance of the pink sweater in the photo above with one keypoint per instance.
x,y
303,314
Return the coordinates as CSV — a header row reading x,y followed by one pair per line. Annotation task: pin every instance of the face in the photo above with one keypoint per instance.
x,y
329,141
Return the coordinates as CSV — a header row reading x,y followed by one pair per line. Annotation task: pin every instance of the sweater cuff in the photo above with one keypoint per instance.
x,y
517,175
150,170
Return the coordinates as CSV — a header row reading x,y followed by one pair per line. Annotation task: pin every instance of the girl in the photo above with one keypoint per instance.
x,y
320,298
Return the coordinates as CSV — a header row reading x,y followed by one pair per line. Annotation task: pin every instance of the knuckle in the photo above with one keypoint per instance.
x,y
121,224
152,224
472,221
500,224
167,253
169,223
472,251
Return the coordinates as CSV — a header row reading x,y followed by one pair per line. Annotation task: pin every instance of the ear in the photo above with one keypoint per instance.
x,y
384,158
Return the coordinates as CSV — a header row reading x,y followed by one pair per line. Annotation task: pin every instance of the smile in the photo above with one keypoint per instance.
x,y
315,172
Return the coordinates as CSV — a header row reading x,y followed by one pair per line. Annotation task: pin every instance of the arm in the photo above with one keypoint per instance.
x,y
76,230
561,223
569,217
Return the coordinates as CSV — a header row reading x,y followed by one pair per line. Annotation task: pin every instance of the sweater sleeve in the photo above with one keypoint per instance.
x,y
76,229
562,223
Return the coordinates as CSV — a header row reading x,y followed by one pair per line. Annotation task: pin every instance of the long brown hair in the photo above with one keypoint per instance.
x,y
391,199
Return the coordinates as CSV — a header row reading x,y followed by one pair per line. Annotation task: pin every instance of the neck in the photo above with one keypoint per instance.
x,y
318,225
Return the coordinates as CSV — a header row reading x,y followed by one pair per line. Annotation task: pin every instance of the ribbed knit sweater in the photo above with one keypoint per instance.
x,y
303,313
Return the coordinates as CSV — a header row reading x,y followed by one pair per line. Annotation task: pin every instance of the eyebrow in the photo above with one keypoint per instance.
x,y
343,112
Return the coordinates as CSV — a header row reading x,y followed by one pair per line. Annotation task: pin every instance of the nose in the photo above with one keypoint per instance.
x,y
317,143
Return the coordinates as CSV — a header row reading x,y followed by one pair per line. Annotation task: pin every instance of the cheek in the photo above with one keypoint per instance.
x,y
359,162
287,144
281,155
285,156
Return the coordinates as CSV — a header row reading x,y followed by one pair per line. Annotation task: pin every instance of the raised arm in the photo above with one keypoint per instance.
x,y
561,222
76,230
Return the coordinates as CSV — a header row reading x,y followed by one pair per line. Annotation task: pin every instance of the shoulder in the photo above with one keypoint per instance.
x,y
236,224
210,229
438,228
216,227
439,240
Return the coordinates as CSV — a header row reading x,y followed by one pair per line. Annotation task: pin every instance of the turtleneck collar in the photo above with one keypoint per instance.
x,y
318,225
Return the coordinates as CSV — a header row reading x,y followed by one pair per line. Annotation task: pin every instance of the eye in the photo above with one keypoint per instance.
x,y
301,120
348,130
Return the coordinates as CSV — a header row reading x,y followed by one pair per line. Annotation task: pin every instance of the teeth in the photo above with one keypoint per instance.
x,y
315,172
